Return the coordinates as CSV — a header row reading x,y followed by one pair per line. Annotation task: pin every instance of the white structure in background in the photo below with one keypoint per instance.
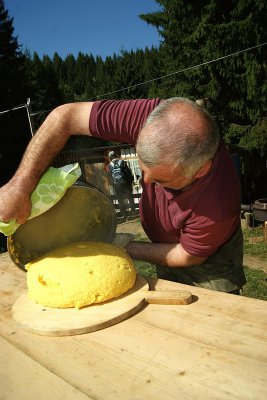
x,y
130,156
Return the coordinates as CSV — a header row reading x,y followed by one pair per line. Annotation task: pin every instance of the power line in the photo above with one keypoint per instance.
x,y
151,80
182,70
13,109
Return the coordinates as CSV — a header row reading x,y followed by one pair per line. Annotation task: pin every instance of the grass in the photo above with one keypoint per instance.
x,y
145,268
254,244
256,285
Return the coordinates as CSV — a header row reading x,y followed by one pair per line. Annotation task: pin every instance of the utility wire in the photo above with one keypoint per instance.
x,y
13,109
178,72
152,80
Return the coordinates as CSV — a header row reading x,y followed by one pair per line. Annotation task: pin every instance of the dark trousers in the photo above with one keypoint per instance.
x,y
124,192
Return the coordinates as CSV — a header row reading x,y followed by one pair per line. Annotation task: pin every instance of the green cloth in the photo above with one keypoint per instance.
x,y
49,190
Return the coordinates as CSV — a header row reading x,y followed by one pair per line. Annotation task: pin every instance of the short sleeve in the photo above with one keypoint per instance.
x,y
120,120
202,237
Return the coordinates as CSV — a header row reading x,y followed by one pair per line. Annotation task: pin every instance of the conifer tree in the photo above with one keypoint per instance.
x,y
45,83
129,73
13,64
196,32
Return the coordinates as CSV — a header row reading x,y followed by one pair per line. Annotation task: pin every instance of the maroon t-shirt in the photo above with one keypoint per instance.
x,y
203,216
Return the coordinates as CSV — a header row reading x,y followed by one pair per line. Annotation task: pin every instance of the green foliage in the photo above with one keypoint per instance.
x,y
254,244
256,138
250,142
256,285
196,32
145,268
13,64
193,32
44,83
129,72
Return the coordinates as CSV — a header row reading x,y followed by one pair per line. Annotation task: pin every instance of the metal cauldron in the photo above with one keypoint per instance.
x,y
258,209
83,214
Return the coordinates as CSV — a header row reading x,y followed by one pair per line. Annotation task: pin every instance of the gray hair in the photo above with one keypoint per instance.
x,y
178,132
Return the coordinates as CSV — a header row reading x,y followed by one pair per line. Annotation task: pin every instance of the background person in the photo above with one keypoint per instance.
x,y
122,179
190,204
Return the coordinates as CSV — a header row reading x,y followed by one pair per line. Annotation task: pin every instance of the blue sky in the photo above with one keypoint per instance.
x,y
100,27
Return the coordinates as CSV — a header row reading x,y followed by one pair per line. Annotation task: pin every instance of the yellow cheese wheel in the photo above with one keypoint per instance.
x,y
80,274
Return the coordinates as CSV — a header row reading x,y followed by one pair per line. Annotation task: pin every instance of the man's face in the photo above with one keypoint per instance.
x,y
165,176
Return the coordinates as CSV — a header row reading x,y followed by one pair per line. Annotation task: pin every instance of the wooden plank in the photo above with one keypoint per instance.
x,y
23,378
42,320
97,176
49,321
138,359
215,348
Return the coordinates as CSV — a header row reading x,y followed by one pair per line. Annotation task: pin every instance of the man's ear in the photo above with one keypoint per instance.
x,y
203,170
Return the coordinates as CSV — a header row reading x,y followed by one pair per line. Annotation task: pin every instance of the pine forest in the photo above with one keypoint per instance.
x,y
211,51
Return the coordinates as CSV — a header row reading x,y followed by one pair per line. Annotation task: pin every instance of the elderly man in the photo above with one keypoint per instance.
x,y
190,205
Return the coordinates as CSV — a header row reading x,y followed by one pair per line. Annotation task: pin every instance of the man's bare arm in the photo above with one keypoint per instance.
x,y
165,254
61,123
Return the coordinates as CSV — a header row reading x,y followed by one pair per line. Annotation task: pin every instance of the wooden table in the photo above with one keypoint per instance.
x,y
214,348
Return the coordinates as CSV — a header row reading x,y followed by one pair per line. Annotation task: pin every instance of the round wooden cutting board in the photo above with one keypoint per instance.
x,y
48,321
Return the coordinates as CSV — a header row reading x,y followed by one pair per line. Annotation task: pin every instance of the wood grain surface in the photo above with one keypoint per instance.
x,y
214,348
49,321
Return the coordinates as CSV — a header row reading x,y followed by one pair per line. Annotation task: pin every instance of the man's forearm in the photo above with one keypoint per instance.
x,y
165,254
64,121
46,144
43,147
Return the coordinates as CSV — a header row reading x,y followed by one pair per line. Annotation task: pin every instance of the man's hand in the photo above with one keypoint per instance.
x,y
15,203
